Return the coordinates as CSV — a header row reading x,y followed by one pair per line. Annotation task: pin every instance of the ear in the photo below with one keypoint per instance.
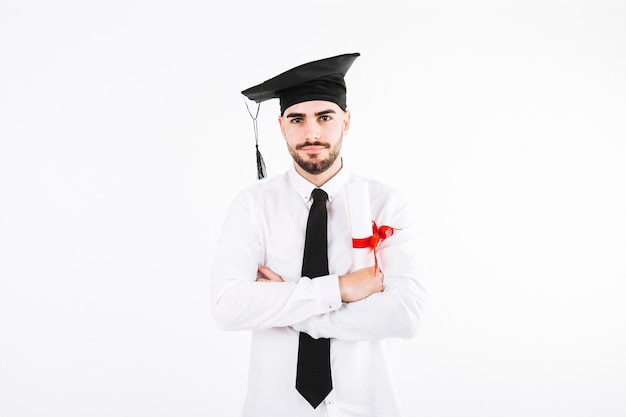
x,y
346,122
282,126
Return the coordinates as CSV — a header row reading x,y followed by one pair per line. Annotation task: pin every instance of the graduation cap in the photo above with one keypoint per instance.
x,y
316,80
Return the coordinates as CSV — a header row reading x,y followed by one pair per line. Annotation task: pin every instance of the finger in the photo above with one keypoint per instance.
x,y
269,274
266,272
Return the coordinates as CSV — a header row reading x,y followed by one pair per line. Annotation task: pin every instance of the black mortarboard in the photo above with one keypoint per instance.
x,y
316,80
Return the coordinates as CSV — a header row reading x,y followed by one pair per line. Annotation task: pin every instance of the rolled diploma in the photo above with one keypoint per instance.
x,y
360,217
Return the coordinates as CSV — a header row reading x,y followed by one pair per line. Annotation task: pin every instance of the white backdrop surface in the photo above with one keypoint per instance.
x,y
123,138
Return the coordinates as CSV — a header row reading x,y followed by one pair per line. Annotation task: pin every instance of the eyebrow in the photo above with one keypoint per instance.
x,y
319,113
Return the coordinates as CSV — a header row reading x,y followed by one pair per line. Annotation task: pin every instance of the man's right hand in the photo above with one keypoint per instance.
x,y
361,283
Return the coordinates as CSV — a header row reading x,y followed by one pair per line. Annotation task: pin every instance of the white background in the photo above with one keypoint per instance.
x,y
124,136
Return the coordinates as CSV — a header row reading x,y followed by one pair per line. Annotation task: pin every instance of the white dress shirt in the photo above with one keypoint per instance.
x,y
266,226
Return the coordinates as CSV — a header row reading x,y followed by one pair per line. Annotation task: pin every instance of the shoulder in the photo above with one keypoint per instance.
x,y
267,189
380,192
390,204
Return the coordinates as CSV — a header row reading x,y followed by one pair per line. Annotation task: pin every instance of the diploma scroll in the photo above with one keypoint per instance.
x,y
360,218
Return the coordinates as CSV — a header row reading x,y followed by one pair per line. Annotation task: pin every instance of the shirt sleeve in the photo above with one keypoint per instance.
x,y
238,302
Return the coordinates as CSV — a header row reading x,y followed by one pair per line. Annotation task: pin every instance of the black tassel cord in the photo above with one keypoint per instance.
x,y
260,163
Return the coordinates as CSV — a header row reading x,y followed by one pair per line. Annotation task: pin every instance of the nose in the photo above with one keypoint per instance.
x,y
312,131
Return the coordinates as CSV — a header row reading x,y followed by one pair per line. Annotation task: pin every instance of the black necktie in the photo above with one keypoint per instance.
x,y
313,378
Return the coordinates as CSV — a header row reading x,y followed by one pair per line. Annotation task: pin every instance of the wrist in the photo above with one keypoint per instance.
x,y
344,287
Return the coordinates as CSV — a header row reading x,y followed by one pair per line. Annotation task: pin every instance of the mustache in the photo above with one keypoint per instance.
x,y
316,143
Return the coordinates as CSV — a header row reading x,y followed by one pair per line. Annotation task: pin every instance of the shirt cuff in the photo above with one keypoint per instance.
x,y
327,293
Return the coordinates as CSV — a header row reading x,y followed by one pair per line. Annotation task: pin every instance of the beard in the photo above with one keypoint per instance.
x,y
316,166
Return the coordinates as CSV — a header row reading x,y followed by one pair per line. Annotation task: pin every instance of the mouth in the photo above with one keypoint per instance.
x,y
312,148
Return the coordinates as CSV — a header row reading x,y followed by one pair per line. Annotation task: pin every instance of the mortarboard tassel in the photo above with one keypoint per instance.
x,y
261,171
260,164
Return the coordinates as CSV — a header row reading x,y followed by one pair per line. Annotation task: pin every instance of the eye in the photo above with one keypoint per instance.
x,y
296,120
325,118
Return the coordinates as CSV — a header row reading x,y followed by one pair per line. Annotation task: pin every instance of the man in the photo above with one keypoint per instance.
x,y
321,328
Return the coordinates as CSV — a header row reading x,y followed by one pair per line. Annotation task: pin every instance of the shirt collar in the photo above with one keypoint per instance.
x,y
304,188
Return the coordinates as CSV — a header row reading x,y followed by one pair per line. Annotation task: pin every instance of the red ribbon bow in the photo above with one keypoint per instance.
x,y
372,242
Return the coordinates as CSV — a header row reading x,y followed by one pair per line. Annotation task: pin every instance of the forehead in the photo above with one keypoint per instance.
x,y
313,107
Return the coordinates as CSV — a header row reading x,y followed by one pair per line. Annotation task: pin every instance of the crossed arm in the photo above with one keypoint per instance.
x,y
361,305
354,286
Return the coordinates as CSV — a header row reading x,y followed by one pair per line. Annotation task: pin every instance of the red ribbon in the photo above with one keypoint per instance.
x,y
378,235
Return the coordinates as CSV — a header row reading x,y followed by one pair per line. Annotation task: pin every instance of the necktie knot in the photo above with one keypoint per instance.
x,y
319,195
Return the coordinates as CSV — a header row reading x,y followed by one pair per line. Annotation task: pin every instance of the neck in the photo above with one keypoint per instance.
x,y
323,177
